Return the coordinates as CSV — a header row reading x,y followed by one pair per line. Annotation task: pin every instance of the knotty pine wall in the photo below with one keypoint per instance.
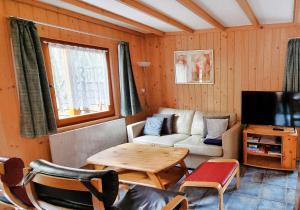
x,y
11,144
244,59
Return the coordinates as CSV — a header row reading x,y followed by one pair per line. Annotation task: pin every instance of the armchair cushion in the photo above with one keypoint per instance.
x,y
67,198
110,184
146,198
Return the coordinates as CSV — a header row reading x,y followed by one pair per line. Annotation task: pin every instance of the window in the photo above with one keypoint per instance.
x,y
80,82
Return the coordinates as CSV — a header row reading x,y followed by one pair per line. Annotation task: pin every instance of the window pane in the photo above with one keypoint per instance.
x,y
80,80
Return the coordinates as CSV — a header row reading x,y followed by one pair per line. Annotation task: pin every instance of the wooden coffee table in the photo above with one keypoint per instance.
x,y
142,164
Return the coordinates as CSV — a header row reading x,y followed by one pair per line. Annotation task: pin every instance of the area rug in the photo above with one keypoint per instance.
x,y
260,189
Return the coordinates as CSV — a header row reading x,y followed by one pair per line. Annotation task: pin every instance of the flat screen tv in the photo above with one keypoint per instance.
x,y
271,108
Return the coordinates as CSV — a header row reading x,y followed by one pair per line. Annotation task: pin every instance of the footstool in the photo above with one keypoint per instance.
x,y
215,173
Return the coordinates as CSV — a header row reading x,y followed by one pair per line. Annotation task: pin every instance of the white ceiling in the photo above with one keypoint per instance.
x,y
273,11
227,12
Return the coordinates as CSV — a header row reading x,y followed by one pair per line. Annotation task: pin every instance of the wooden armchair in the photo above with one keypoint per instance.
x,y
54,187
11,174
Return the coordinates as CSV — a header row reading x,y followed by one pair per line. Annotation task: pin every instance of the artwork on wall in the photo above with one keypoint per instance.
x,y
194,67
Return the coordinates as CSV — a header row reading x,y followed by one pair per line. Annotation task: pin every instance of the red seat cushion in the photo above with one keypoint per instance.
x,y
213,172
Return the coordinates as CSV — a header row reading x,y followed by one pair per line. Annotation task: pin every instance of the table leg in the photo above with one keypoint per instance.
x,y
184,168
156,180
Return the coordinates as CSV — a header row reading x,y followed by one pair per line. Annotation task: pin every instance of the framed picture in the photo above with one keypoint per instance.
x,y
194,67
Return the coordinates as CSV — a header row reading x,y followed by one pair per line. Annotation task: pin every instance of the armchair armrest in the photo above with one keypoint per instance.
x,y
134,130
231,141
179,199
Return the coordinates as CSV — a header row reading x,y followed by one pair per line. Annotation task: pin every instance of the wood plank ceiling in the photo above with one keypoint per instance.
x,y
159,17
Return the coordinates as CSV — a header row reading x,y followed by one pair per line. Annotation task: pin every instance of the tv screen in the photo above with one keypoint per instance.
x,y
271,108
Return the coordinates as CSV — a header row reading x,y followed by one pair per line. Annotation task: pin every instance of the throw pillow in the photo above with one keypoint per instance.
x,y
217,142
213,117
167,127
216,127
153,126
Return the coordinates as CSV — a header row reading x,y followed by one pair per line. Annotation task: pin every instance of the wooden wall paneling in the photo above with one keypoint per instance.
x,y
210,88
191,88
245,60
145,73
178,88
171,76
237,73
52,17
217,66
204,89
224,73
267,59
275,77
185,88
231,70
282,56
41,15
162,55
153,74
197,88
252,60
259,59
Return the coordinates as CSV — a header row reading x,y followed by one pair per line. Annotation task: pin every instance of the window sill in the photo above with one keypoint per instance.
x,y
85,124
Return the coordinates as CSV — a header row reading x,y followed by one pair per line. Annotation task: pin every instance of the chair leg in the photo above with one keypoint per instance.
x,y
238,179
221,199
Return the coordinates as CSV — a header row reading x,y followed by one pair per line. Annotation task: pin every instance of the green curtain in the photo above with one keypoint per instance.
x,y
130,103
292,67
37,115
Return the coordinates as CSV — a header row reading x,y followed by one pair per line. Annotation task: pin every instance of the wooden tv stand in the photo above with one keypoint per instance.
x,y
267,148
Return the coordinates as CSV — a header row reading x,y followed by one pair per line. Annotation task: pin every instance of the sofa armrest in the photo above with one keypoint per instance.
x,y
134,130
231,141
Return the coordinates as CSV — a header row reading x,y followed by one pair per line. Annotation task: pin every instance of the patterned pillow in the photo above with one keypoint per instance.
x,y
153,126
167,127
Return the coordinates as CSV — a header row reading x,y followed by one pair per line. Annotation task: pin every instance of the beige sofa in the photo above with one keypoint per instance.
x,y
188,131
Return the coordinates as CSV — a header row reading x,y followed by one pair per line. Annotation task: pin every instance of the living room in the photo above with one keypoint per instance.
x,y
245,48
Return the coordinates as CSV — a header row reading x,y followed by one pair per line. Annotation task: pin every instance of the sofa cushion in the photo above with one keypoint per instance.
x,y
195,144
216,128
217,142
153,126
232,116
167,127
206,118
198,124
166,140
182,120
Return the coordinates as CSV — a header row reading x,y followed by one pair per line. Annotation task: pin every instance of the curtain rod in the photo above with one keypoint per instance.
x,y
67,29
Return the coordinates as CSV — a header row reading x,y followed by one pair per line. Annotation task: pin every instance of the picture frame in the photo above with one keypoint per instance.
x,y
194,67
